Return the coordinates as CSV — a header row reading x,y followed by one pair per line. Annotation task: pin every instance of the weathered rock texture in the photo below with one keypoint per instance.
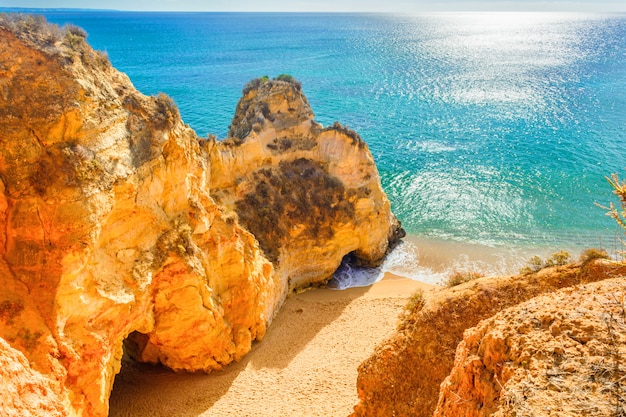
x,y
117,223
26,392
308,194
403,376
560,354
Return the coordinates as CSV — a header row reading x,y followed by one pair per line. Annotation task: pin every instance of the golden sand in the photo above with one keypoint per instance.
x,y
305,366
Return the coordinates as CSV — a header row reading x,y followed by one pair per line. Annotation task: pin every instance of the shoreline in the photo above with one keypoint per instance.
x,y
433,260
305,366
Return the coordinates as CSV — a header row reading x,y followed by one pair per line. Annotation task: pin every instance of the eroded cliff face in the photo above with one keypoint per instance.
x,y
560,354
403,376
117,223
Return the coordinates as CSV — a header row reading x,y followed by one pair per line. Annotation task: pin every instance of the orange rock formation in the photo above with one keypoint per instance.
x,y
118,223
560,354
403,376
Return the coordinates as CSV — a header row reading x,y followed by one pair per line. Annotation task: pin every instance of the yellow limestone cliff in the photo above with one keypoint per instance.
x,y
119,226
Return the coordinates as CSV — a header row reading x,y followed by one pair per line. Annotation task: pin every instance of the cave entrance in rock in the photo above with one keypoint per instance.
x,y
133,379
351,274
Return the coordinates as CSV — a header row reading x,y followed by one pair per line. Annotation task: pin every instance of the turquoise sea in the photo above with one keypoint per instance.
x,y
492,132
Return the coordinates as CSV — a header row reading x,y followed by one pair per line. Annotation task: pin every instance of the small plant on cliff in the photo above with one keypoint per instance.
x,y
619,189
286,77
416,302
461,277
76,31
289,79
591,254
536,264
74,37
559,258
252,84
166,111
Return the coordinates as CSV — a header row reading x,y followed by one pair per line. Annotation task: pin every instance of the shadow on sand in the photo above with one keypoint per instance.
x,y
146,390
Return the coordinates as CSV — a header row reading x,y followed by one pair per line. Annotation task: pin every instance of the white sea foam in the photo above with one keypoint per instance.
x,y
433,260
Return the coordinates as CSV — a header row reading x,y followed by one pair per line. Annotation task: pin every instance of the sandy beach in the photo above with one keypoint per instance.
x,y
305,366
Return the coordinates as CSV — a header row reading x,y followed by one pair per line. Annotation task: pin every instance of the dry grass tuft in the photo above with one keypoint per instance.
x,y
536,264
591,254
416,302
619,189
461,277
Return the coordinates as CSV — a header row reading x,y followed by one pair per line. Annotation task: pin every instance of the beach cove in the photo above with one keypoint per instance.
x,y
130,240
305,366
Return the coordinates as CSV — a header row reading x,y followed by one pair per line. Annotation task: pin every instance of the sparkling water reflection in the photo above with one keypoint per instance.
x,y
489,129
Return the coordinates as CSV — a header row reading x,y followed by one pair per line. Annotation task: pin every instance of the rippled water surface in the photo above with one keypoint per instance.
x,y
490,130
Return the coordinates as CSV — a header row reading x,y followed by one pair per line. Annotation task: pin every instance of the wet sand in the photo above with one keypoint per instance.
x,y
305,366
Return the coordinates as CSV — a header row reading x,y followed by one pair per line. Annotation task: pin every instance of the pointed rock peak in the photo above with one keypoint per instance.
x,y
269,103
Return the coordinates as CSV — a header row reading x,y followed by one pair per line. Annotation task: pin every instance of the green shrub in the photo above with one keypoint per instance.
x,y
559,258
74,37
535,264
289,79
285,77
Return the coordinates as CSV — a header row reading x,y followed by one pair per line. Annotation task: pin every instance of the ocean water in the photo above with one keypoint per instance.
x,y
492,132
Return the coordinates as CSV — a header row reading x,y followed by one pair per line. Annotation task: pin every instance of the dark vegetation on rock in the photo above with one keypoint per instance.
x,y
252,114
296,194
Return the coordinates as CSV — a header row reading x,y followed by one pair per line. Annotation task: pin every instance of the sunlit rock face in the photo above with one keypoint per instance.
x,y
27,392
119,224
405,375
554,355
309,194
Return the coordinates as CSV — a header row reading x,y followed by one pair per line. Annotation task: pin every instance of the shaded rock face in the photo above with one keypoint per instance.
x,y
117,223
403,376
560,354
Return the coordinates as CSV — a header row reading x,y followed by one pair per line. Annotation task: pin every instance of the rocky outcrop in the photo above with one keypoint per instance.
x,y
309,194
560,354
404,374
118,225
